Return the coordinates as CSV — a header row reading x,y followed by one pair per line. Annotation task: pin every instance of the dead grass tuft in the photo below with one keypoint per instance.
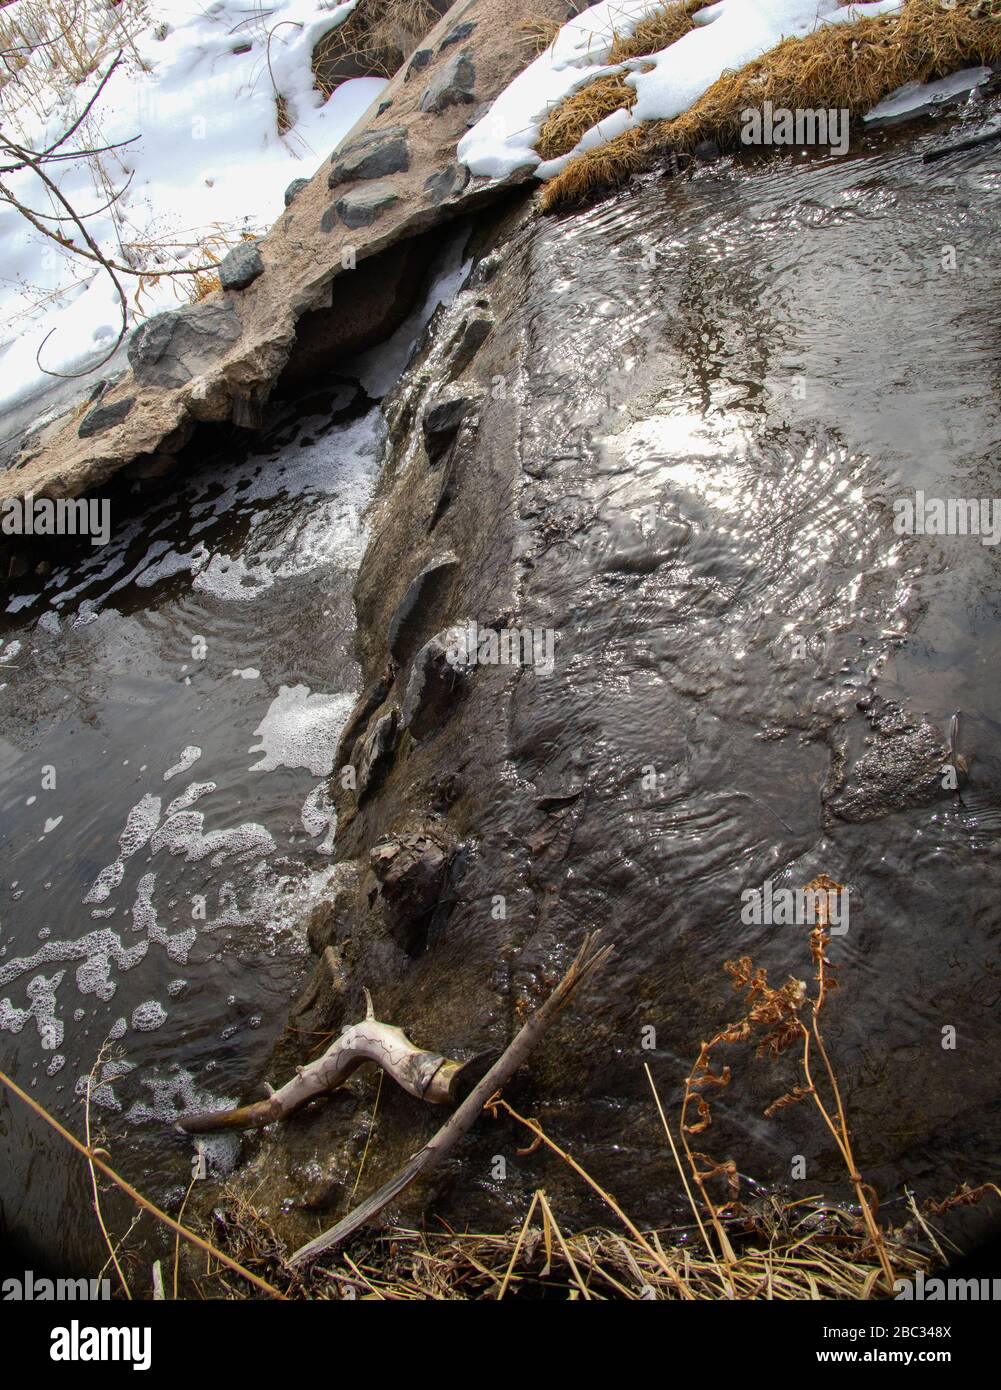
x,y
373,41
538,33
848,67
591,104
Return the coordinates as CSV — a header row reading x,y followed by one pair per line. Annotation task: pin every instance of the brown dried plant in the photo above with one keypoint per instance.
x,y
777,1019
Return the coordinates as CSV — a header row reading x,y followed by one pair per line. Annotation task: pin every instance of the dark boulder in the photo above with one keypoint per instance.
x,y
170,349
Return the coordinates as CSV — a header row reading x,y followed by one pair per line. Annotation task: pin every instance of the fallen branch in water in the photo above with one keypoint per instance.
x,y
589,958
426,1075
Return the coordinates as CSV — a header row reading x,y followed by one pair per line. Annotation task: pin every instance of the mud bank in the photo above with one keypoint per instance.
x,y
606,438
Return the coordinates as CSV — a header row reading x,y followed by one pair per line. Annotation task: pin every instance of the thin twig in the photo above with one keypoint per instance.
x,y
137,1197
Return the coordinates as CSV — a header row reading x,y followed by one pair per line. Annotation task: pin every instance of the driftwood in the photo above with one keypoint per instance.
x,y
590,958
426,1075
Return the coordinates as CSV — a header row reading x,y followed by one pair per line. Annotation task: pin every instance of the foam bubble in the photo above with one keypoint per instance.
x,y
148,1016
188,757
301,730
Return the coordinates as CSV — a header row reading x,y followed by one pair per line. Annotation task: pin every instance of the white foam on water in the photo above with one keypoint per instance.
x,y
183,834
193,792
188,757
97,950
172,1094
42,993
301,730
143,911
318,815
148,1016
139,825
108,879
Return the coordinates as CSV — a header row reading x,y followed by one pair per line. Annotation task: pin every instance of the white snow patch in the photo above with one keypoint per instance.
x,y
915,96
208,154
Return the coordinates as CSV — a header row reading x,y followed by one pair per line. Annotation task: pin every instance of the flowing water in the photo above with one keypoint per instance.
x,y
731,378
171,704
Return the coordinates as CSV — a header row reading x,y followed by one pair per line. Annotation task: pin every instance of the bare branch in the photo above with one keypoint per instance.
x,y
590,958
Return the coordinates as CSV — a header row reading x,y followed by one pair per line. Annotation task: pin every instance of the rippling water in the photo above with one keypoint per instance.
x,y
729,378
170,705
733,377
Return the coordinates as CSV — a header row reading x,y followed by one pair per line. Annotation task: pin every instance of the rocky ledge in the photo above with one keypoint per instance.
x,y
393,177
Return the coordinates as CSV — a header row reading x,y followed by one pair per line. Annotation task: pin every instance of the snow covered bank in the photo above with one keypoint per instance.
x,y
726,37
200,93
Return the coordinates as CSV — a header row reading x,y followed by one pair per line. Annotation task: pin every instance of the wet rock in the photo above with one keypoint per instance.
x,y
361,207
441,421
415,591
447,183
170,349
377,753
457,35
469,337
103,417
293,190
452,86
484,271
367,705
331,920
411,870
376,156
241,266
459,456
436,677
902,771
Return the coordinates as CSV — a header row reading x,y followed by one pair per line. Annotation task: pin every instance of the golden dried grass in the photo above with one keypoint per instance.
x,y
591,104
841,67
375,39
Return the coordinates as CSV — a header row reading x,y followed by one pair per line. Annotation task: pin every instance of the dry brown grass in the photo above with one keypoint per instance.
x,y
773,1248
536,34
591,104
374,40
840,67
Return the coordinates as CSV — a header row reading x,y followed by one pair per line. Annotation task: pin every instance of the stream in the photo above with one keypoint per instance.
x,y
727,381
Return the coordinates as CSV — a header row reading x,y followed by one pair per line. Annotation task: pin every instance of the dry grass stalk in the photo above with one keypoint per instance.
x,y
95,1159
840,67
773,1020
538,33
91,1151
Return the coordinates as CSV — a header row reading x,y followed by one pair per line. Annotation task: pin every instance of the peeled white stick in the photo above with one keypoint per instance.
x,y
426,1075
590,958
